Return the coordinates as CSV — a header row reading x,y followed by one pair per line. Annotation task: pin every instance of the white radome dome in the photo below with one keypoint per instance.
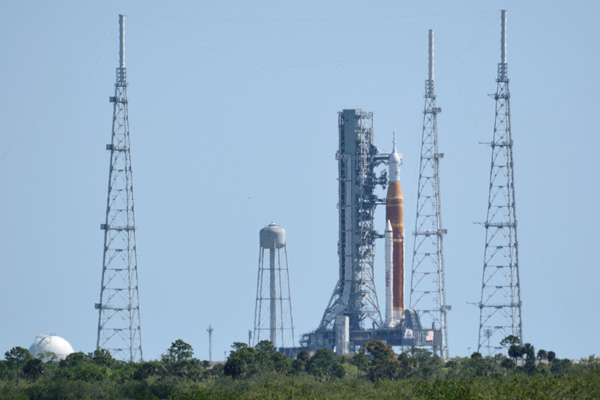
x,y
45,344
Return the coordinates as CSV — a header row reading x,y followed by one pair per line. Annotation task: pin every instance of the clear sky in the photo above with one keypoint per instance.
x,y
233,119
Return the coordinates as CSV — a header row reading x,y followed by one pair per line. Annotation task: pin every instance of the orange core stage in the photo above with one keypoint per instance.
x,y
394,212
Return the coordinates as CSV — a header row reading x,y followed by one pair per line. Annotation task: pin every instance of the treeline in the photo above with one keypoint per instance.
x,y
261,372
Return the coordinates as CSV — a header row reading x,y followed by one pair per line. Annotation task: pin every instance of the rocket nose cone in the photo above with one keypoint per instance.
x,y
388,226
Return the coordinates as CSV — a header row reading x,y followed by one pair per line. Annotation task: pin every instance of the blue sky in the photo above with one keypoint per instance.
x,y
233,120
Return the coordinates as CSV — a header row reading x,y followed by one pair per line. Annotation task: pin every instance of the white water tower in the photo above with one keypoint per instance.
x,y
273,299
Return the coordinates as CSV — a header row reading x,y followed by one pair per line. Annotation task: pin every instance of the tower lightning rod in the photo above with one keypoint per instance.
x,y
210,331
431,55
503,39
122,40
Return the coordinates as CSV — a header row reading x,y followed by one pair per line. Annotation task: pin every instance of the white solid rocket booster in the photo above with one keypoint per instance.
x,y
388,274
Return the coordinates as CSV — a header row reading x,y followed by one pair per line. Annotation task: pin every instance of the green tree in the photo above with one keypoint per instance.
x,y
264,356
529,351
297,366
476,366
323,365
542,354
33,367
178,351
303,355
189,369
78,367
4,370
361,361
147,369
510,340
380,351
384,364
560,367
281,363
15,358
178,361
515,351
73,359
240,361
103,358
508,364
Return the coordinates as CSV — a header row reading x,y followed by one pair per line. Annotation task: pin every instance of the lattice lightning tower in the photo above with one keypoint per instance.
x,y
500,305
427,288
119,308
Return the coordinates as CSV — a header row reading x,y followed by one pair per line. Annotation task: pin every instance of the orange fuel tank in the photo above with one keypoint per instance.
x,y
394,212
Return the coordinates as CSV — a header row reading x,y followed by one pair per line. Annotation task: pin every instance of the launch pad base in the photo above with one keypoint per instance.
x,y
407,334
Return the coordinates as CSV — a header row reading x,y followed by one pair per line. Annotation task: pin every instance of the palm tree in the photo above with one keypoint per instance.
x,y
542,354
34,367
529,351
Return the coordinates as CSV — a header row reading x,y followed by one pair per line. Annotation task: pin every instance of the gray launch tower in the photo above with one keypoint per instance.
x,y
353,306
119,328
427,288
500,305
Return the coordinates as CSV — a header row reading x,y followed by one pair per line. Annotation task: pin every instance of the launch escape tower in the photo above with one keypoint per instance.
x,y
427,288
119,308
500,305
275,299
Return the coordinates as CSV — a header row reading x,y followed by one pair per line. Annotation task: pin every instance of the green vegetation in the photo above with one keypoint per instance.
x,y
263,373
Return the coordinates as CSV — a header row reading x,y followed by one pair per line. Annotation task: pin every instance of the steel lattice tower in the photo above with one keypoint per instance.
x,y
427,288
500,305
119,308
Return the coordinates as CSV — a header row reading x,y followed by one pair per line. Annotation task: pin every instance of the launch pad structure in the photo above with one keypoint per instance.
x,y
352,316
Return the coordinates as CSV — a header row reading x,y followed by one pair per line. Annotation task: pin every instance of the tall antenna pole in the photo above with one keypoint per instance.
x,y
122,41
428,293
119,329
210,331
500,305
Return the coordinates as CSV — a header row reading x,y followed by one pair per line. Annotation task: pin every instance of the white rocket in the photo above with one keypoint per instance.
x,y
394,242
389,323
